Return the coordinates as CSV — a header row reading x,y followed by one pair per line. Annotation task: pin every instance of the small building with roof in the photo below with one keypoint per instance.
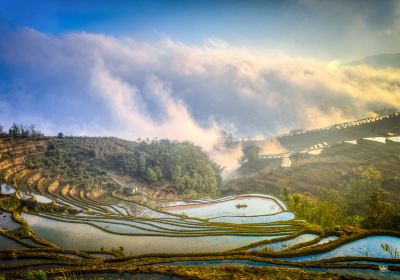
x,y
130,189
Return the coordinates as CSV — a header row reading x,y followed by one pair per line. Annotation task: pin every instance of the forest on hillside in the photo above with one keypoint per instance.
x,y
87,162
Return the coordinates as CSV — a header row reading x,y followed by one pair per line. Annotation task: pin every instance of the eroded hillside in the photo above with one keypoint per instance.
x,y
94,168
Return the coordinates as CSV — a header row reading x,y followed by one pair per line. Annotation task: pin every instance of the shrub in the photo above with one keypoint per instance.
x,y
36,275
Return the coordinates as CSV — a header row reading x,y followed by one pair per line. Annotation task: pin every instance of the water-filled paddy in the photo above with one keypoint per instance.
x,y
223,262
237,206
38,197
276,246
103,255
284,216
41,198
326,240
137,210
261,216
7,189
86,237
366,247
164,233
377,139
6,221
121,210
395,138
6,243
18,261
147,227
226,198
31,242
364,273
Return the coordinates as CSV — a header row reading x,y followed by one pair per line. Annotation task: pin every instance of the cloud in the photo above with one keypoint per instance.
x,y
125,104
228,158
272,146
93,84
345,29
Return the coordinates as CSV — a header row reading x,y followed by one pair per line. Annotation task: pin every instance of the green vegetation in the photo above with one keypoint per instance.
x,y
192,272
21,131
86,162
145,264
10,203
70,162
241,206
188,168
36,275
337,163
251,161
394,252
359,203
250,154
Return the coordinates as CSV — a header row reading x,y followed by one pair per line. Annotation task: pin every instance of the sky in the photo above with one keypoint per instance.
x,y
186,70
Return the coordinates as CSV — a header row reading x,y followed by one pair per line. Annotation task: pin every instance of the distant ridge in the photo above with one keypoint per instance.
x,y
368,127
387,60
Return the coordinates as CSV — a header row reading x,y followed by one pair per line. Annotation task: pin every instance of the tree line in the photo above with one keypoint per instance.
x,y
189,169
20,130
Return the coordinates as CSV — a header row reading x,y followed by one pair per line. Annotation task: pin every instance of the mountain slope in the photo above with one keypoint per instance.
x,y
369,127
333,167
325,158
102,164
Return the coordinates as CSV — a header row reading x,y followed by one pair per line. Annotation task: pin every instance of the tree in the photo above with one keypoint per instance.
x,y
376,204
228,139
158,172
14,130
60,135
251,153
359,190
371,178
25,131
142,164
31,130
151,176
75,160
177,174
36,275
378,210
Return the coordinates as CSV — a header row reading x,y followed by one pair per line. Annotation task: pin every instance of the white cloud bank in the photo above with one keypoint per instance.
x,y
107,85
125,104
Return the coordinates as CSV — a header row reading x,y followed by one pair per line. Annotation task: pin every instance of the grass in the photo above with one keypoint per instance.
x,y
199,273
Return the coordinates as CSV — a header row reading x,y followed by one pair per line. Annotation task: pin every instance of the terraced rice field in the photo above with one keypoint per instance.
x,y
252,229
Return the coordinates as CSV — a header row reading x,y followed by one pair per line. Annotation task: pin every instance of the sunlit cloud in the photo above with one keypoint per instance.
x,y
125,104
92,84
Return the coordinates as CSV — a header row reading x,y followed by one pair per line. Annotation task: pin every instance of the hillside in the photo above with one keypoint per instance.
x,y
307,139
69,202
321,158
347,171
330,167
104,164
